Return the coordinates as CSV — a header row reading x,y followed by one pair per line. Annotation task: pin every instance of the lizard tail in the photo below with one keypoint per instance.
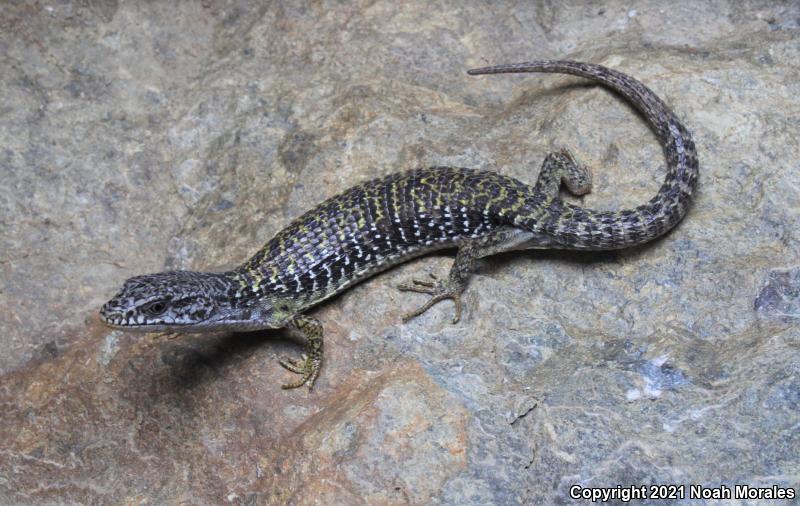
x,y
572,227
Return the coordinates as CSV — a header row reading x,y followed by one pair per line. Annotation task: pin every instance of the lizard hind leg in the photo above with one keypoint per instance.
x,y
562,167
499,240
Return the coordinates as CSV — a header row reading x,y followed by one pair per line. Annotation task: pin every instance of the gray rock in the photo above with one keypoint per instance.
x,y
780,297
139,136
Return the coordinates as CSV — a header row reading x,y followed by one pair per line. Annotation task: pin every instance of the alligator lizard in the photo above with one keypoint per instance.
x,y
378,224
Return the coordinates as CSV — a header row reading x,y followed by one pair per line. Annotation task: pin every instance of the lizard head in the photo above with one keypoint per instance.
x,y
186,301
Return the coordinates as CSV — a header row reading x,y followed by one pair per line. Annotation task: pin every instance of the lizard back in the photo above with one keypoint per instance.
x,y
379,223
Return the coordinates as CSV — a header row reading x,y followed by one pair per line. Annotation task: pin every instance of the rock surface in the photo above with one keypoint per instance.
x,y
139,136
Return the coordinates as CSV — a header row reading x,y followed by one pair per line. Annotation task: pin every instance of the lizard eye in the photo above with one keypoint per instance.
x,y
155,308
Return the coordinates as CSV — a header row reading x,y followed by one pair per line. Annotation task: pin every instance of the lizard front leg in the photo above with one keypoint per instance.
x,y
311,361
499,240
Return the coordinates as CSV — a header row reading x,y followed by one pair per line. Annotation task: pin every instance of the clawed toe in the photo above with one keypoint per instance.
x,y
164,335
307,367
293,365
437,290
421,285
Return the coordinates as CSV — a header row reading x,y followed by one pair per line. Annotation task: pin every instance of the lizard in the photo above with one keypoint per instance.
x,y
383,222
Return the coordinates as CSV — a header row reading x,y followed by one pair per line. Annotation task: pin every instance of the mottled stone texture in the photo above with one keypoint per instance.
x,y
138,136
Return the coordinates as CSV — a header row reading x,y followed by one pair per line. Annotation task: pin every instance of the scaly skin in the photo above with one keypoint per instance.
x,y
378,224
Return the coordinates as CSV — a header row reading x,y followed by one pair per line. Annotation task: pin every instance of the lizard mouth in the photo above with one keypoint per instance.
x,y
119,322
124,320
112,317
128,321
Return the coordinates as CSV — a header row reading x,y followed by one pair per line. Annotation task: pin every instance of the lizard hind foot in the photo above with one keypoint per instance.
x,y
438,291
575,176
561,167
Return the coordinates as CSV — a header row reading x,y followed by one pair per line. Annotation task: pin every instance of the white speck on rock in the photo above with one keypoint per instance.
x,y
110,347
194,180
633,394
659,361
650,390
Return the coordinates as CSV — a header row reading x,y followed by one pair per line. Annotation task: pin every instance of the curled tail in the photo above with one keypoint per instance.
x,y
567,226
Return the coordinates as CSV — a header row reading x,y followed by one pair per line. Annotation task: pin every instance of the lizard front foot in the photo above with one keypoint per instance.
x,y
310,363
438,291
165,335
308,367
